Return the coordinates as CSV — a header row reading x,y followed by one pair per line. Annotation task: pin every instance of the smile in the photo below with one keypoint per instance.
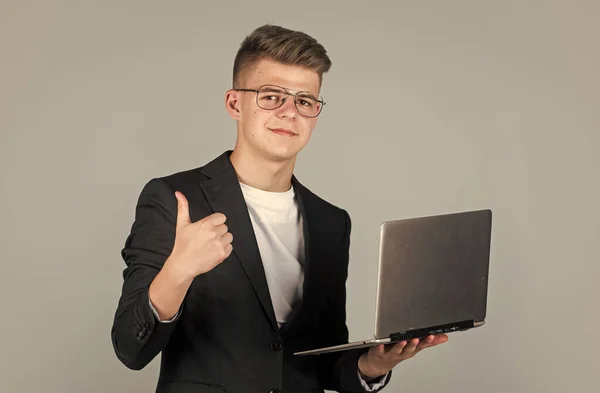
x,y
283,131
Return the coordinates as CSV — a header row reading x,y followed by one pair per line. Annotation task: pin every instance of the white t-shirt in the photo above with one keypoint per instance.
x,y
277,224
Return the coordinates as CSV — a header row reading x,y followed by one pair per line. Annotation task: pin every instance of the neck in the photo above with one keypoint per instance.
x,y
258,172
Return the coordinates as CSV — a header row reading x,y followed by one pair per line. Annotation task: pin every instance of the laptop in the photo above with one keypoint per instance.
x,y
432,278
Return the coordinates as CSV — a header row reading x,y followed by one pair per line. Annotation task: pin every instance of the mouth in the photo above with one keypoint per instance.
x,y
283,131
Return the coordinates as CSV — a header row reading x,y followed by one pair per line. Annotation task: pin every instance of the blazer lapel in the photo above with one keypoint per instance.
x,y
314,267
224,194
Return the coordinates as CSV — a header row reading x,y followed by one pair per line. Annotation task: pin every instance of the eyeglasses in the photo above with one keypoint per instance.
x,y
270,97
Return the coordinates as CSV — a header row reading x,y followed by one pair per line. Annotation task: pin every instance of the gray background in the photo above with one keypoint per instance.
x,y
432,107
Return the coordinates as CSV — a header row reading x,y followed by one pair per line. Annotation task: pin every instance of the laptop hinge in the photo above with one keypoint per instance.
x,y
439,329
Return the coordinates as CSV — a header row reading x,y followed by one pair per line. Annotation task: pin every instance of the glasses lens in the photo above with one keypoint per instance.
x,y
271,97
308,105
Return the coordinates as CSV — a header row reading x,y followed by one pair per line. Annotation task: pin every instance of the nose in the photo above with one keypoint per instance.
x,y
287,110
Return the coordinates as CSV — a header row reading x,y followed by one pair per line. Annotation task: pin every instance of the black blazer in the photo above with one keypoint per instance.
x,y
226,338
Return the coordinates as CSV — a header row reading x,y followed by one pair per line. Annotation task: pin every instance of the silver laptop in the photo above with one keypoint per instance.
x,y
433,278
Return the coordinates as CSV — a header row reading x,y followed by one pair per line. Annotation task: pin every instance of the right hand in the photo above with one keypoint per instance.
x,y
199,246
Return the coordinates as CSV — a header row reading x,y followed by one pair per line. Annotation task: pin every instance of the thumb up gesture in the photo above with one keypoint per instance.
x,y
202,245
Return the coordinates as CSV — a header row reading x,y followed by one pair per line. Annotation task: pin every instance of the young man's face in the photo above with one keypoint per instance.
x,y
277,134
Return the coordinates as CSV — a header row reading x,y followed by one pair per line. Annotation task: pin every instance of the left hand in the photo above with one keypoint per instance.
x,y
383,358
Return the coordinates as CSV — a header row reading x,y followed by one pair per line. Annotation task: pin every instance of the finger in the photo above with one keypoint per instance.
x,y
228,250
440,338
220,230
378,350
399,347
410,348
215,219
426,342
226,239
437,339
183,210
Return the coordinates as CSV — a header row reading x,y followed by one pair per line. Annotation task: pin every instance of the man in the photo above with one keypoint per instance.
x,y
234,266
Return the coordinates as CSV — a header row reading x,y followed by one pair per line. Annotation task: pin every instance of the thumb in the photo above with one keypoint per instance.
x,y
183,210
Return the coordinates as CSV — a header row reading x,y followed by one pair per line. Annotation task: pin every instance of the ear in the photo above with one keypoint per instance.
x,y
232,103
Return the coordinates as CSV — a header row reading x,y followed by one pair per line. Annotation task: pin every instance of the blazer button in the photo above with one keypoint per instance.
x,y
142,333
276,346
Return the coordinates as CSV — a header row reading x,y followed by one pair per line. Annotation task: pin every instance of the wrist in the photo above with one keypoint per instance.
x,y
168,289
366,369
173,272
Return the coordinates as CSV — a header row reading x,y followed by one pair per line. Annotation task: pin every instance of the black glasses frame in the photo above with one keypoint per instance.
x,y
294,95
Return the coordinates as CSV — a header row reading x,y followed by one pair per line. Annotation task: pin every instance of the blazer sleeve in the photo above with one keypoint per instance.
x,y
339,370
137,335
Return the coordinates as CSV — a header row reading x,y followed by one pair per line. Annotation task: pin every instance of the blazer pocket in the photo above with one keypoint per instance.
x,y
189,387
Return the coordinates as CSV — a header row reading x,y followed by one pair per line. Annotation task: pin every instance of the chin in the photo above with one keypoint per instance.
x,y
280,155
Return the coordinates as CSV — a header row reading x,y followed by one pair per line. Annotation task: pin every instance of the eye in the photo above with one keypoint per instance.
x,y
271,97
305,102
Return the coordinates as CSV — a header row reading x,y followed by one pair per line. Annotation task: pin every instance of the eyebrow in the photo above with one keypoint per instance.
x,y
302,93
271,89
307,94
